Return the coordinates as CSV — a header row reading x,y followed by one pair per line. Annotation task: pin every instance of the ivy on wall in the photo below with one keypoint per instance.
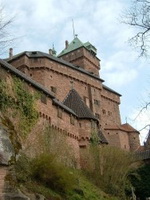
x,y
19,104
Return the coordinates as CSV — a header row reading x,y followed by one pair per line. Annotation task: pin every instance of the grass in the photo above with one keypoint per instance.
x,y
44,175
85,190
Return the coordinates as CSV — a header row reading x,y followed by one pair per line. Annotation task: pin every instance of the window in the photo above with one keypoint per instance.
x,y
104,111
59,113
53,89
43,98
80,125
96,102
72,120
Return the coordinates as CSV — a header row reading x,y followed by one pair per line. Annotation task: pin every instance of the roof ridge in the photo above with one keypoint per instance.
x,y
56,59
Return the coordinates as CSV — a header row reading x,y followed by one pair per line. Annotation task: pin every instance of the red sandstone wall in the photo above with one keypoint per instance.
x,y
110,108
134,141
84,59
50,73
49,114
113,138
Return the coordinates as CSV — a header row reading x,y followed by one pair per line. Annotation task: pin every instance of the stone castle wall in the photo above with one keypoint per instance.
x,y
58,78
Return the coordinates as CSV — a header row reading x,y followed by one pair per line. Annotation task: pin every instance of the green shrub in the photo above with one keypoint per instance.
x,y
110,169
23,169
51,173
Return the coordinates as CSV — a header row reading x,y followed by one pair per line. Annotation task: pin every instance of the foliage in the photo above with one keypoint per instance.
x,y
5,100
18,104
111,168
50,140
23,169
25,104
52,174
142,182
34,174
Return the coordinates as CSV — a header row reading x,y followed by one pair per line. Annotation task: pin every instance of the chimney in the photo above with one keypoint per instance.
x,y
66,44
50,52
10,53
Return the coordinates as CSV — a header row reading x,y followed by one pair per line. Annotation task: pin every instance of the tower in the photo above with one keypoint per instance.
x,y
82,55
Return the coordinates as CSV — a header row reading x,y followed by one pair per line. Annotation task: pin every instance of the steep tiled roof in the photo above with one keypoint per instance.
x,y
127,127
75,103
124,127
58,103
103,140
39,54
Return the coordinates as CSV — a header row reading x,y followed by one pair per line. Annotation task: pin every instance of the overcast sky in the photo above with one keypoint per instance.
x,y
38,24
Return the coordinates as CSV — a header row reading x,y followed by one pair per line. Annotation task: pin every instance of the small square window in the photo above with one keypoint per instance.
x,y
96,102
104,111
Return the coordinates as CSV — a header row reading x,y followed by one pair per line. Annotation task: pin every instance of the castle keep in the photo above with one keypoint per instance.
x,y
74,99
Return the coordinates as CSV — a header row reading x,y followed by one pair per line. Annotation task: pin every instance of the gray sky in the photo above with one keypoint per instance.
x,y
42,23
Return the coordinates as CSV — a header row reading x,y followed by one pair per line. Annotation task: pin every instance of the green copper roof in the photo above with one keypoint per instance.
x,y
75,44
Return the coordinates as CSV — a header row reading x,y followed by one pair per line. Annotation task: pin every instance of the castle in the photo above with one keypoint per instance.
x,y
74,99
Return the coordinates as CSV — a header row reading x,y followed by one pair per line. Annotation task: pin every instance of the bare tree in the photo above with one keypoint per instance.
x,y
138,17
6,38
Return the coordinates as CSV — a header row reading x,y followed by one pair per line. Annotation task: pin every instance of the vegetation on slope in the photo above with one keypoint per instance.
x,y
47,176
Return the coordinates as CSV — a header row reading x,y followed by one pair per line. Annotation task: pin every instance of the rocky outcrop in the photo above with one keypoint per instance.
x,y
6,147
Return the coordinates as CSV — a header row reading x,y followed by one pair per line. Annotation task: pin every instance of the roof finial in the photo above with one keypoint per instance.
x,y
52,51
126,120
73,29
